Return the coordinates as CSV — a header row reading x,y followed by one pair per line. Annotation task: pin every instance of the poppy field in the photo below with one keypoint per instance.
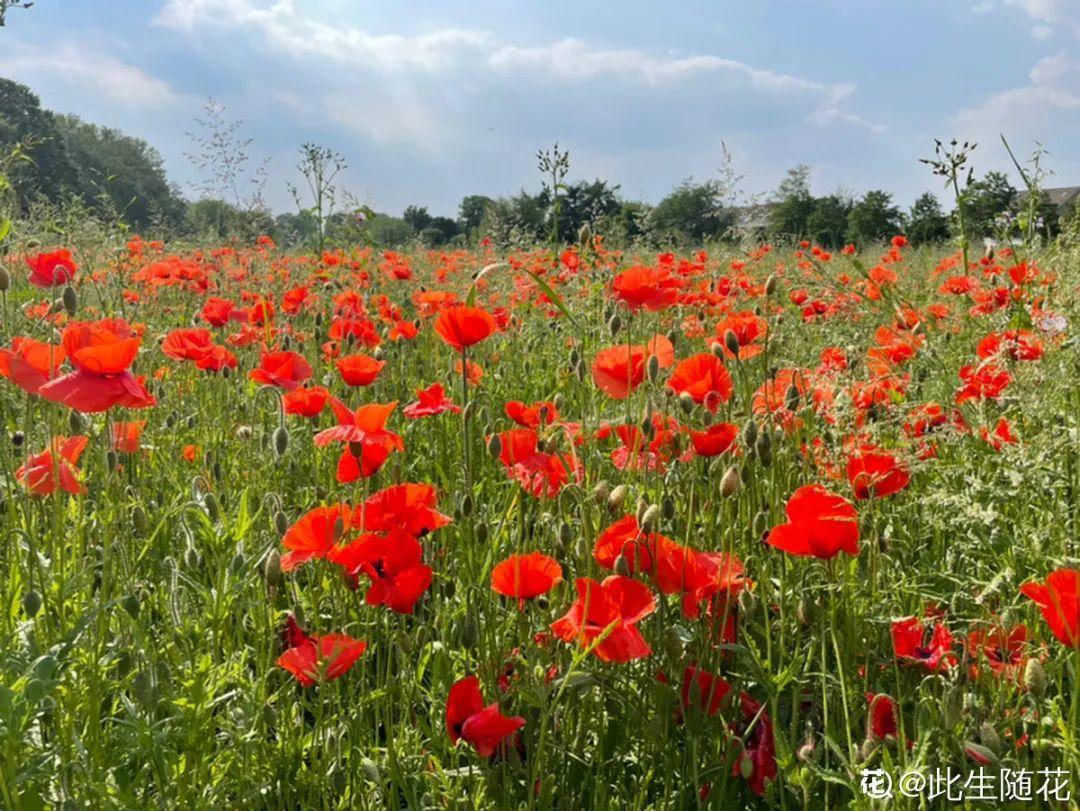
x,y
535,529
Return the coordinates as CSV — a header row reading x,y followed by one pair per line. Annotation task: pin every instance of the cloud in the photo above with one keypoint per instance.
x,y
86,72
1049,15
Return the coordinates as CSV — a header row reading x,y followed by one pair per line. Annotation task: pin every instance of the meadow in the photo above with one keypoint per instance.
x,y
582,528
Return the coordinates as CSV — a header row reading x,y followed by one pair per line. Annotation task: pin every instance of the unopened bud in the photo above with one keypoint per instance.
x,y
494,446
650,519
31,603
770,285
1035,677
731,341
272,568
615,497
614,324
281,440
71,300
5,280
622,566
686,402
729,483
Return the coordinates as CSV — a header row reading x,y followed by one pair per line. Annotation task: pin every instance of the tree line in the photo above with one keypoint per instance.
x,y
123,179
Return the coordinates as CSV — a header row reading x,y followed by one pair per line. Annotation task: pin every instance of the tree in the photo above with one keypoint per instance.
x,y
417,217
586,203
692,212
121,173
874,218
986,201
9,4
48,170
927,222
439,231
471,212
790,216
828,221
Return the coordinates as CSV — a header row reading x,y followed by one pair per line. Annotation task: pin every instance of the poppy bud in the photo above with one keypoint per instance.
x,y
989,738
566,534
667,507
980,753
952,706
18,438
579,371
243,432
191,421
470,635
272,568
5,280
792,399
215,469
111,460
746,766
731,341
281,440
763,448
494,446
729,484
805,611
622,566
192,558
615,324
650,519
139,519
647,427
652,368
142,687
749,434
466,505
213,509
236,565
581,548
686,401
867,749
371,771
281,522
1035,677
584,234
707,418
269,716
170,419
56,306
339,529
770,285
31,603
480,530
615,497
76,422
601,491
71,300
761,523
404,641
130,603
640,508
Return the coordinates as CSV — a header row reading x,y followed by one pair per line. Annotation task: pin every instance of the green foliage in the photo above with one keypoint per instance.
x,y
874,218
986,203
927,222
692,212
789,218
827,224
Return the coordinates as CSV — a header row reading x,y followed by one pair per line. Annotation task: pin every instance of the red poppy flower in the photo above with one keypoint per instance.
x,y
908,637
394,565
643,287
541,474
430,402
316,659
473,371
714,440
747,328
286,370
618,370
1059,600
882,722
611,609
315,534
987,381
126,436
30,364
462,326
526,576
189,452
359,370
365,436
306,401
1002,648
51,269
485,728
1001,436
703,690
757,762
1017,344
820,524
704,377
532,416
404,507
216,311
101,353
45,471
875,473
197,345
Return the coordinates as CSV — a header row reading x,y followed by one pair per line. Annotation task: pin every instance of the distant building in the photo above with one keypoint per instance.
x,y
1063,199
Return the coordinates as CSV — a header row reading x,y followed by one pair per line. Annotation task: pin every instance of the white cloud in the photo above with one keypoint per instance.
x,y
1048,16
87,72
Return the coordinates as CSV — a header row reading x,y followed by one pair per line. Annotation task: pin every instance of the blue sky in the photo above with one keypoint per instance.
x,y
430,101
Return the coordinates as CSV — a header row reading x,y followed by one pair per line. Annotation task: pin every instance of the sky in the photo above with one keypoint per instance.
x,y
431,100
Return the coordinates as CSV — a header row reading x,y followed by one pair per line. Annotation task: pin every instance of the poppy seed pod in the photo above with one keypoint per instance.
x,y
71,300
652,368
614,324
1035,677
281,440
731,341
615,497
730,482
31,603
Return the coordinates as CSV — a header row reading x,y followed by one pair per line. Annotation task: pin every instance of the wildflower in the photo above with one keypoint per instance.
x,y
462,326
430,402
484,728
51,269
820,524
1059,600
45,471
315,659
608,611
526,576
286,370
